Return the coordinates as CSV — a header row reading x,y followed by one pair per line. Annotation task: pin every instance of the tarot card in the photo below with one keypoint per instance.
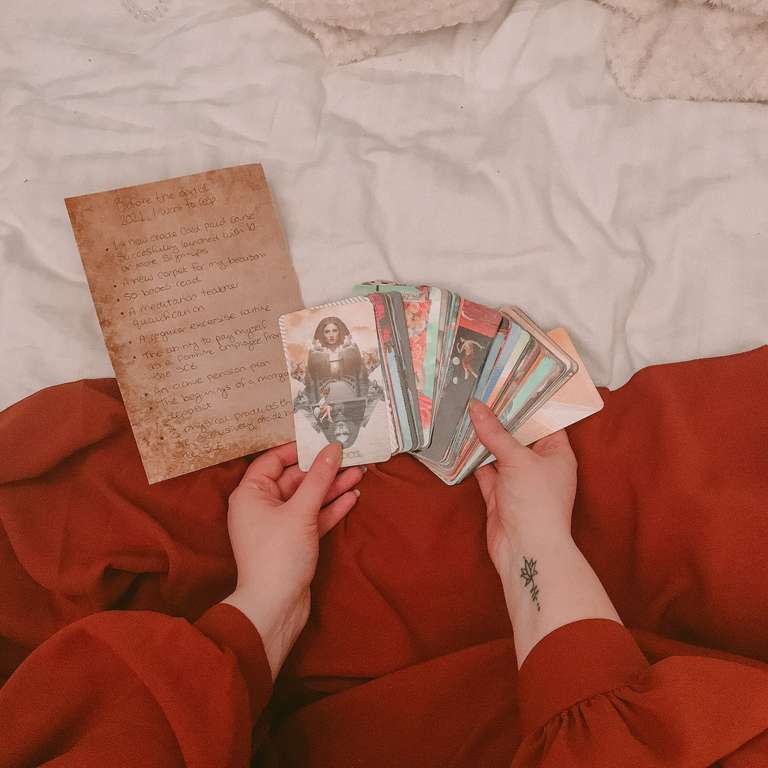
x,y
337,384
448,337
429,364
548,376
493,355
394,302
490,362
422,338
437,297
387,358
417,319
527,390
574,401
391,365
524,372
530,391
517,350
474,334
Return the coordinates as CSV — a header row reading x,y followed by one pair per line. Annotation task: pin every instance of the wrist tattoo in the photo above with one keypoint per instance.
x,y
527,574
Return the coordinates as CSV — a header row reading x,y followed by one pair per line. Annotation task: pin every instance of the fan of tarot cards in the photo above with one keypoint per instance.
x,y
393,368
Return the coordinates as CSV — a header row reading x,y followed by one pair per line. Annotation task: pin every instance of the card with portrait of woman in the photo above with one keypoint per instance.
x,y
337,385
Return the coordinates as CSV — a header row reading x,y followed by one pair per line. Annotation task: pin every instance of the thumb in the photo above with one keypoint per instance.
x,y
309,496
493,436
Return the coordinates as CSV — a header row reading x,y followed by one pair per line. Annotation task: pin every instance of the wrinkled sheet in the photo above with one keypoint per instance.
x,y
498,159
407,658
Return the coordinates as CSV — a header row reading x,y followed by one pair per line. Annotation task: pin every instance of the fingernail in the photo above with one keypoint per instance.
x,y
356,492
333,454
479,410
363,468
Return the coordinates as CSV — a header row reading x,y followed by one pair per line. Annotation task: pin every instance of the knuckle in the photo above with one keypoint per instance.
x,y
263,484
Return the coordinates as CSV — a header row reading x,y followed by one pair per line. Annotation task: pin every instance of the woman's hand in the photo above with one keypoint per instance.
x,y
276,518
527,489
529,496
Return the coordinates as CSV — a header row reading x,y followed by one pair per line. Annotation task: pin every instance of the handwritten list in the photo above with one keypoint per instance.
x,y
189,277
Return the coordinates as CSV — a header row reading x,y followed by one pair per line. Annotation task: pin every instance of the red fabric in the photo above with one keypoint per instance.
x,y
407,658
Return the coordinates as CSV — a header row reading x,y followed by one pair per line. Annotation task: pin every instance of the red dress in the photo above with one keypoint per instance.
x,y
407,659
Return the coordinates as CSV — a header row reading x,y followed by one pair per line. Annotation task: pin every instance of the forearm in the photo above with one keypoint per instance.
x,y
548,583
278,622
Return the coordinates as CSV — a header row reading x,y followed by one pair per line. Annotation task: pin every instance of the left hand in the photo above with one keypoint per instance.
x,y
276,518
528,493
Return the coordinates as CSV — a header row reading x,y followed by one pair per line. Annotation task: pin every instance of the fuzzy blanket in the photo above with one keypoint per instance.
x,y
350,30
684,49
707,50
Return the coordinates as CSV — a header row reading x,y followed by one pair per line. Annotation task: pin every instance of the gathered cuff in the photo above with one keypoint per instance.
x,y
572,663
229,628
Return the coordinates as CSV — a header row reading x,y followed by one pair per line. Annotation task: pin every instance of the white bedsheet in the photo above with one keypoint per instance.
x,y
496,159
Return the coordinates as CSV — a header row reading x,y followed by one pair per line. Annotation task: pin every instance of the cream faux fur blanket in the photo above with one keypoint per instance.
x,y
685,49
350,30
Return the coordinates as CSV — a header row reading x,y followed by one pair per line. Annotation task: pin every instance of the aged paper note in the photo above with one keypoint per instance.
x,y
189,277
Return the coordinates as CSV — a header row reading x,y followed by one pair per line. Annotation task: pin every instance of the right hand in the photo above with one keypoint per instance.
x,y
276,518
528,491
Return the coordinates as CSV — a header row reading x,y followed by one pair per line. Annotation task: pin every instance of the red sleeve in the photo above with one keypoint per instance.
x,y
136,688
588,697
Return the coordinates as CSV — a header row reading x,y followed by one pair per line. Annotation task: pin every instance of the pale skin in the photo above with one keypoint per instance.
x,y
278,514
529,494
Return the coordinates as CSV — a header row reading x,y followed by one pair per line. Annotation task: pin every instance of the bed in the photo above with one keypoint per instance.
x,y
498,159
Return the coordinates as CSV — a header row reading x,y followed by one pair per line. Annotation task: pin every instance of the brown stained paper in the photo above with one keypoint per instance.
x,y
189,277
